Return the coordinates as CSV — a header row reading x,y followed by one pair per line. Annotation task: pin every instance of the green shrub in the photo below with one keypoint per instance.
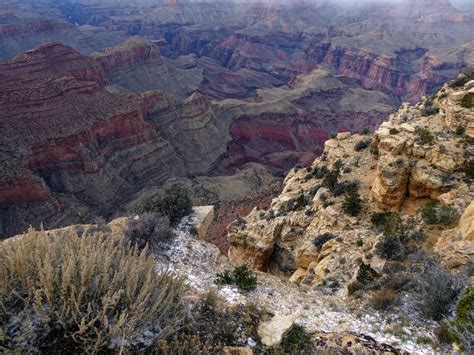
x,y
300,201
362,144
393,131
462,79
343,187
352,204
294,339
465,307
379,218
83,294
447,215
443,335
374,150
429,110
295,204
331,178
432,214
174,202
462,328
245,278
225,278
150,230
320,172
468,100
425,136
429,213
390,247
242,276
469,169
321,239
458,82
365,274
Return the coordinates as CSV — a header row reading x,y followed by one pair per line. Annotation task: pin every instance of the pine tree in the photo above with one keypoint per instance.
x,y
352,204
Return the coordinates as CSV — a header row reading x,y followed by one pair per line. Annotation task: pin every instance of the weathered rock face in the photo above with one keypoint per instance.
x,y
411,158
407,54
420,153
466,223
24,26
128,55
64,135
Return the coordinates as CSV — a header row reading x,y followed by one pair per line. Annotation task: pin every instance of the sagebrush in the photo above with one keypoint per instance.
x,y
148,229
84,294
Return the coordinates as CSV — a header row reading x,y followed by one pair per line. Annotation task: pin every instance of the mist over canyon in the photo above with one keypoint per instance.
x,y
105,102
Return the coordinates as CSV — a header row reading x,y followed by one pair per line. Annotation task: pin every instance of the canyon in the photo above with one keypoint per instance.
x,y
287,176
106,104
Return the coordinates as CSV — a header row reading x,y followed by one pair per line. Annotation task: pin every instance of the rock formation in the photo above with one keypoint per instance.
x,y
82,139
414,157
398,48
64,134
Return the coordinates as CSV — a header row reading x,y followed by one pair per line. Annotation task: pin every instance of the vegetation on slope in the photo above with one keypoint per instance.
x,y
85,294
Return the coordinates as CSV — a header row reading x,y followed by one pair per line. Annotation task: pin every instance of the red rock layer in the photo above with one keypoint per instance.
x,y
129,54
63,132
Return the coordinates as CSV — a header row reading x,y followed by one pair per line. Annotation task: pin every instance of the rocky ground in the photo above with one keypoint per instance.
x,y
411,159
322,315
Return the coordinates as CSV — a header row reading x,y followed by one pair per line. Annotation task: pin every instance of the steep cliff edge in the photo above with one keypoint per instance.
x,y
68,146
319,235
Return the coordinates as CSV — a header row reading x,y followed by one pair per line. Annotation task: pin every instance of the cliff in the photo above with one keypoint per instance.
x,y
419,155
64,134
128,55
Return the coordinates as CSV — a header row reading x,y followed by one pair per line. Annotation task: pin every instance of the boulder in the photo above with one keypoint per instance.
x,y
391,181
204,217
469,85
343,135
306,254
466,223
237,350
427,181
272,332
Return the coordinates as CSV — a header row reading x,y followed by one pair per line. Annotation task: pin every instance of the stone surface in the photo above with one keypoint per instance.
x,y
204,216
237,350
466,223
402,177
343,135
272,331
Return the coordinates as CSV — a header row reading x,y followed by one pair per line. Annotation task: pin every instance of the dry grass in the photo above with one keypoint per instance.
x,y
88,294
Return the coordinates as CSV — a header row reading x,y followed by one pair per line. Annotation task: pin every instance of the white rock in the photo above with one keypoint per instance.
x,y
204,217
407,127
271,332
458,96
343,135
469,85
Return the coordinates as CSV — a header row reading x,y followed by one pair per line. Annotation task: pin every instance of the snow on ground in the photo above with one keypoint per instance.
x,y
198,262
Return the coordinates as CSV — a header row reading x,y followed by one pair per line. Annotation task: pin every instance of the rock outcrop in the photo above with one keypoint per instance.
x,y
466,223
272,331
414,157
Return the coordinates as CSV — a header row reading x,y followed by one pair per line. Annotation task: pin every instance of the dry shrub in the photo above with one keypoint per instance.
x,y
148,229
384,300
82,294
437,290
